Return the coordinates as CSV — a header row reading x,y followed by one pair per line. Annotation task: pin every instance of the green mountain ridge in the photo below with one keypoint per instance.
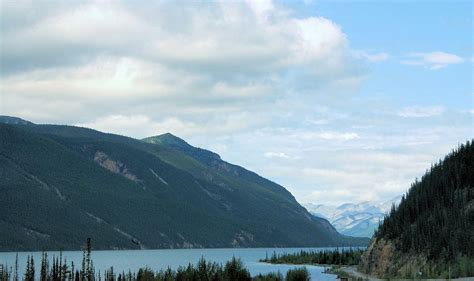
x,y
62,184
14,120
431,231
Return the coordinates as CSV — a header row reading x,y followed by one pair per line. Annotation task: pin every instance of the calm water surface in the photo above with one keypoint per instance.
x,y
160,259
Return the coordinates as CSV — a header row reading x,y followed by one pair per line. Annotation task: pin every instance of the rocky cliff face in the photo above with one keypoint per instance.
x,y
383,260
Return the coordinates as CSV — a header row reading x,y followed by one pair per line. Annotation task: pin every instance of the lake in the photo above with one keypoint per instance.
x,y
125,260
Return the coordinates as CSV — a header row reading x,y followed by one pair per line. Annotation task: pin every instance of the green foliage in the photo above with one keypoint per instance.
x,y
462,266
234,270
269,277
298,274
55,195
436,217
30,269
4,273
337,270
339,257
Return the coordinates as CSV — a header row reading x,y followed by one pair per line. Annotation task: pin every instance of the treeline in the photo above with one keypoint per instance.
x,y
333,257
233,270
61,270
436,217
58,270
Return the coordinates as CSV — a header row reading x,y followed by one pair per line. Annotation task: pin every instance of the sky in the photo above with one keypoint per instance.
x,y
338,101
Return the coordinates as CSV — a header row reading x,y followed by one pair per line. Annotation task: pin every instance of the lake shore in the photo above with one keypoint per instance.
x,y
354,273
125,260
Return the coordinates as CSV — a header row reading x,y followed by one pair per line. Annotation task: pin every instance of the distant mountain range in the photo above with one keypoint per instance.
x,y
62,184
358,220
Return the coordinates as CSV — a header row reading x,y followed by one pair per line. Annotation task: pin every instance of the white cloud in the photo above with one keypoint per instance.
x,y
433,60
318,38
247,79
372,57
271,154
420,111
203,38
338,136
138,125
141,126
322,121
104,58
376,166
325,135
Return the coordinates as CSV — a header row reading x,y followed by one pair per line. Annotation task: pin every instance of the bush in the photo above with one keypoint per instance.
x,y
269,277
234,270
298,274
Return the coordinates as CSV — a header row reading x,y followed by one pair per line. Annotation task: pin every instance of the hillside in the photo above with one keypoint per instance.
x,y
62,184
432,229
14,120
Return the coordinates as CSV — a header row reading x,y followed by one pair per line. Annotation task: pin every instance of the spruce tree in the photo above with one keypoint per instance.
x,y
44,267
15,275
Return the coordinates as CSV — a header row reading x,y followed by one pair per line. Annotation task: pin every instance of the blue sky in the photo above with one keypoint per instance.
x,y
339,101
402,27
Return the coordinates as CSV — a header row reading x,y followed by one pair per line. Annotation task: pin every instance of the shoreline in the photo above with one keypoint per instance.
x,y
354,273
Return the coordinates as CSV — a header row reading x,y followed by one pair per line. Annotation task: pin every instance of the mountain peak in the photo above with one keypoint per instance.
x,y
14,120
169,137
168,134
354,219
166,139
175,142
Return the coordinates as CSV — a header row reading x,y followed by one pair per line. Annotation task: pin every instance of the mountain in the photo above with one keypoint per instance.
x,y
62,184
358,220
431,231
13,120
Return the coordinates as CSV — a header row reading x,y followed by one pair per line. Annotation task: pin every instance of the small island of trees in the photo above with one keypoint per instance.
x,y
326,257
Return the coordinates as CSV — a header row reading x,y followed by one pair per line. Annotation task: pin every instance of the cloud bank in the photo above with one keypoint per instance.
x,y
265,87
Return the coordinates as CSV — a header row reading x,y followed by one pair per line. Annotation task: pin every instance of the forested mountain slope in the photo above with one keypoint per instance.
x,y
62,184
432,229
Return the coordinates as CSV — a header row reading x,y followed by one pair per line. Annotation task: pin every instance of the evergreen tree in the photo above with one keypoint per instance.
x,y
436,216
87,272
44,267
15,275
30,269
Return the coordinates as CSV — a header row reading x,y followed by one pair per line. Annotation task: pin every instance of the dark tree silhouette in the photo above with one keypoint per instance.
x,y
436,216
